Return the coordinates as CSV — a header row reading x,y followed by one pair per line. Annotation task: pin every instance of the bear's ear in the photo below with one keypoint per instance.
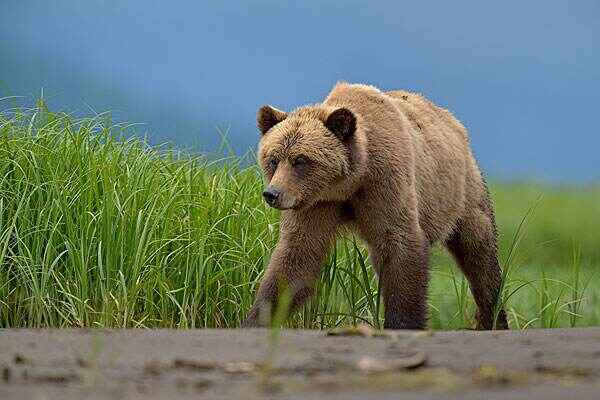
x,y
267,117
342,123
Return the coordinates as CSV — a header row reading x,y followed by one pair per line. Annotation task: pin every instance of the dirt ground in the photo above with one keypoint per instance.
x,y
249,364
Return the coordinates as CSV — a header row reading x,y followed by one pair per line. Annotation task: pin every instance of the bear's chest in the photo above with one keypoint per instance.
x,y
347,213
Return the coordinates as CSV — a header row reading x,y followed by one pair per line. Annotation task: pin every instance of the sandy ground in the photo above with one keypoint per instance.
x,y
248,364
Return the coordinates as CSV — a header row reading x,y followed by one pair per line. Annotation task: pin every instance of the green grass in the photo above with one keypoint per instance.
x,y
102,231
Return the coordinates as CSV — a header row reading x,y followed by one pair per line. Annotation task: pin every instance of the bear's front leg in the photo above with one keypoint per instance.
x,y
304,239
403,275
400,255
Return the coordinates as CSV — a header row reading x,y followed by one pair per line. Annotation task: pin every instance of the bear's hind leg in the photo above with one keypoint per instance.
x,y
473,245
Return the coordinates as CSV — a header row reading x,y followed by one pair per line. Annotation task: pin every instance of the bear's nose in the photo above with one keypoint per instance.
x,y
271,195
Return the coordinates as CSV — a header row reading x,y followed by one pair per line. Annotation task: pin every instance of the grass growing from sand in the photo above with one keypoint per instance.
x,y
101,231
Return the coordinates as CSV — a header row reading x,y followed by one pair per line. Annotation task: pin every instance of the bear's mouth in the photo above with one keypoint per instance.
x,y
282,207
297,205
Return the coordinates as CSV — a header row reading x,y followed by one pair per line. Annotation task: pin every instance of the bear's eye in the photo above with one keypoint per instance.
x,y
298,161
272,164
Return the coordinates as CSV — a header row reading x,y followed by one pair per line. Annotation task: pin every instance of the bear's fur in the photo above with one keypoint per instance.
x,y
392,167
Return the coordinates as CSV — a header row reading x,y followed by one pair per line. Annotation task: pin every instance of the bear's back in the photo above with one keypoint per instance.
x,y
423,113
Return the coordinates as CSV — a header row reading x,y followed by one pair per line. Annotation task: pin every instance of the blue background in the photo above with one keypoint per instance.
x,y
524,77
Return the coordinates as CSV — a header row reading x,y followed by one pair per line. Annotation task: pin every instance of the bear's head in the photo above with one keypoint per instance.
x,y
305,154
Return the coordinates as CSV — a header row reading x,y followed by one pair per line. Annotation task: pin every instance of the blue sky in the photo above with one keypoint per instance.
x,y
524,77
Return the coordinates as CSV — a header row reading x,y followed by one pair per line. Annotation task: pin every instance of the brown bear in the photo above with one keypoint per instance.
x,y
395,169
